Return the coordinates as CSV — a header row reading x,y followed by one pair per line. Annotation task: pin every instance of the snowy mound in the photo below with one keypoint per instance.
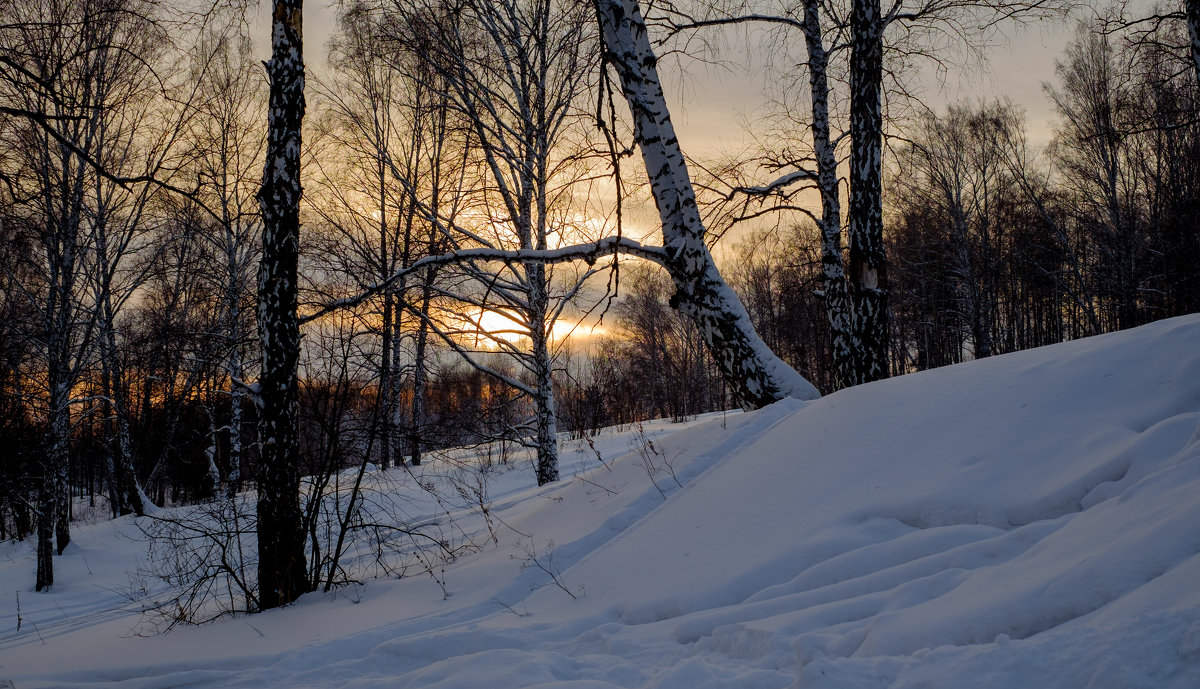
x,y
1031,520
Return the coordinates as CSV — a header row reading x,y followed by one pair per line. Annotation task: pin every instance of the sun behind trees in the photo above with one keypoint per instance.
x,y
477,161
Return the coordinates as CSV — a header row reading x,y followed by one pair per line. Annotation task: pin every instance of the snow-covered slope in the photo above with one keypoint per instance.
x,y
1031,520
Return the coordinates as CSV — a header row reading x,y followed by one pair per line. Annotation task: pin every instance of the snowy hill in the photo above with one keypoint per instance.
x,y
1031,520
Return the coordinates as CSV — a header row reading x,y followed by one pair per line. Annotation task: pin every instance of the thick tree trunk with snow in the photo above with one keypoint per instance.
x,y
281,565
757,376
837,298
868,259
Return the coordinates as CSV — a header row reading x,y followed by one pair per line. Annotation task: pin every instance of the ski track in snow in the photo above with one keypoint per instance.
x,y
1030,520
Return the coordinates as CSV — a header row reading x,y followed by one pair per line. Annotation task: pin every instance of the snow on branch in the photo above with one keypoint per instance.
x,y
801,175
589,253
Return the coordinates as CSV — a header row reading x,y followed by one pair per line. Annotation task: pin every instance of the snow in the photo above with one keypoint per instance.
x,y
1030,520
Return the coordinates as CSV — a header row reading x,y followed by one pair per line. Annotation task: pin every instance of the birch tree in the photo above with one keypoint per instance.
x,y
396,152
956,172
757,376
136,136
367,211
884,40
64,79
281,559
514,71
1098,106
1193,24
228,145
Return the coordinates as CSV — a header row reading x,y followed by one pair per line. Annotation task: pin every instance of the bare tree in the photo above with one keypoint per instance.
x,y
1151,28
807,169
1193,23
1098,106
956,168
368,211
514,72
67,80
281,560
757,376
227,137
883,39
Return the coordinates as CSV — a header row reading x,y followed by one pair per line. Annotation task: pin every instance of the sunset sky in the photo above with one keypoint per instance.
x,y
710,105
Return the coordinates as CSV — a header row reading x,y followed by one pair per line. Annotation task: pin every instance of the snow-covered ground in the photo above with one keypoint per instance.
x,y
1031,520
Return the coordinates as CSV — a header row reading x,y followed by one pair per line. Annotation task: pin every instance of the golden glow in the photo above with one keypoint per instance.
x,y
500,325
492,325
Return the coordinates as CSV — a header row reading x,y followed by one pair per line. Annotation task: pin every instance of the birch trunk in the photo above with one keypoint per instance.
x,y
1193,22
417,427
281,562
60,457
837,299
237,397
868,260
126,488
757,376
539,324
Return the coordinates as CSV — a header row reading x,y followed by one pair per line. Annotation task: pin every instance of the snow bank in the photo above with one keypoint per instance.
x,y
1031,520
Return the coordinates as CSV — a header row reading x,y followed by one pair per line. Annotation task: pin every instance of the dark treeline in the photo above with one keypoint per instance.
x,y
995,247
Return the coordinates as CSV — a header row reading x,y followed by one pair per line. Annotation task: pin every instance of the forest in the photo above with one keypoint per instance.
x,y
472,225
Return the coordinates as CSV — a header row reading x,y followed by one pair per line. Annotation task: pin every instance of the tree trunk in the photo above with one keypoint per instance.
x,y
417,428
233,314
837,299
547,431
236,398
1193,21
868,260
387,393
45,529
127,489
757,376
388,385
281,564
60,457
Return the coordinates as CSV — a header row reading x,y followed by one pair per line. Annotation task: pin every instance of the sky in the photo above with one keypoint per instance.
x,y
710,106
713,103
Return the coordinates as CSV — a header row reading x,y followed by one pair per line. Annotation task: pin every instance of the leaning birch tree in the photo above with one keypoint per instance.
x,y
756,374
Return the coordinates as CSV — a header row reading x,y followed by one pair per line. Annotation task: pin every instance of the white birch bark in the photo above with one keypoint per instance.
x,y
282,574
756,374
868,258
837,299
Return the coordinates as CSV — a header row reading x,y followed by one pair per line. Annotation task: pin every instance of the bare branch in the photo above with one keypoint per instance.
x,y
579,252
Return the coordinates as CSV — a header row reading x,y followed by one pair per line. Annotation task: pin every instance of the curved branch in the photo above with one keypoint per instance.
x,y
578,252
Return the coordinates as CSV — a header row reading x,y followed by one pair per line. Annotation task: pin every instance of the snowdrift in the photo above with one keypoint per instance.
x,y
1031,520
